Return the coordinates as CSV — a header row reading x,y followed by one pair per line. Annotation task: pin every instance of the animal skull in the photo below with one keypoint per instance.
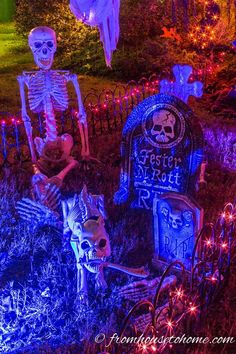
x,y
163,126
94,244
43,43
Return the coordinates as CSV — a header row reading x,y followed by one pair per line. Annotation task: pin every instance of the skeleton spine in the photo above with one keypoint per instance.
x,y
51,127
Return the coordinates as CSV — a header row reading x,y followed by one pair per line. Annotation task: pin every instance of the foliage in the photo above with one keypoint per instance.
x,y
78,45
141,47
38,304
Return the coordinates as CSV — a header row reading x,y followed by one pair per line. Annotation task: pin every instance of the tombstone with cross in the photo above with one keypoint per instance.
x,y
161,151
181,88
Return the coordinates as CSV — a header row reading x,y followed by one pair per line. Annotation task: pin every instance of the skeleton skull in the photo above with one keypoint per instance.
x,y
163,126
94,244
43,43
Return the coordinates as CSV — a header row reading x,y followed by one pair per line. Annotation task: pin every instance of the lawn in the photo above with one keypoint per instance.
x,y
15,57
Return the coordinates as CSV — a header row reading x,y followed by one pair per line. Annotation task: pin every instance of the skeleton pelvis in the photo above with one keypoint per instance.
x,y
54,155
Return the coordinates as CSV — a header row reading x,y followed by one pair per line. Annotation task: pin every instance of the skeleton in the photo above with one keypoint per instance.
x,y
163,126
177,219
83,224
47,91
103,14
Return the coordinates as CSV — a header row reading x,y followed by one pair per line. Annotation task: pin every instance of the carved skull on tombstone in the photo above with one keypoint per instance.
x,y
163,126
177,219
43,43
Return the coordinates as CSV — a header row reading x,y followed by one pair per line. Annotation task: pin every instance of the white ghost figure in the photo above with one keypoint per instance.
x,y
103,14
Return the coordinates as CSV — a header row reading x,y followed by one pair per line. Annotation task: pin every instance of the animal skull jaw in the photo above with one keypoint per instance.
x,y
93,264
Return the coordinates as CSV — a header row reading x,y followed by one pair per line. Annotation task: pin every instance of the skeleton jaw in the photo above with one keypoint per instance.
x,y
44,63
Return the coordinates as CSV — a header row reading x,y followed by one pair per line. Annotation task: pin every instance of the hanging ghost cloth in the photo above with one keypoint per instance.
x,y
103,14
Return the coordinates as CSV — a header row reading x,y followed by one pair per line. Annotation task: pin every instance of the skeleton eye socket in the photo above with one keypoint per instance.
x,y
50,44
38,44
102,243
85,245
157,127
168,129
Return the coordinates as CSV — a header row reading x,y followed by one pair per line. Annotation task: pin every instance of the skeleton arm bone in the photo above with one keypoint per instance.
x,y
22,80
82,121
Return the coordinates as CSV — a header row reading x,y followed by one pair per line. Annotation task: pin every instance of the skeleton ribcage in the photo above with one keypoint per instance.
x,y
45,86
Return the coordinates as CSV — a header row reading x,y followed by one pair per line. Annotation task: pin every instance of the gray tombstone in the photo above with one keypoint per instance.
x,y
177,223
161,151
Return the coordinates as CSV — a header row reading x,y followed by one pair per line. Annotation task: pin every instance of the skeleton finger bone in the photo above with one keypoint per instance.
x,y
145,289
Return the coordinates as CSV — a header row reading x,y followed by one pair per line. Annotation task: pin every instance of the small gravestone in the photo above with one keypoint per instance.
x,y
181,88
162,150
177,223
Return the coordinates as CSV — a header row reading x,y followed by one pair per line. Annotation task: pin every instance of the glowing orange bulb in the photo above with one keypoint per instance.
x,y
169,324
224,245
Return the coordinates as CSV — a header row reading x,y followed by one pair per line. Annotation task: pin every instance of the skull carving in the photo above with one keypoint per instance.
x,y
163,126
43,43
175,219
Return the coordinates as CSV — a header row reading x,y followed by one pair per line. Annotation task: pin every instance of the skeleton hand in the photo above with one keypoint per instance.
x,y
36,212
145,289
138,290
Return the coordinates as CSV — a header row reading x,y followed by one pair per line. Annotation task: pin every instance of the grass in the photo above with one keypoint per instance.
x,y
15,57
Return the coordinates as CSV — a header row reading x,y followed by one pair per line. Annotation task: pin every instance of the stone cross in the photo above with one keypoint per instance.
x,y
181,88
